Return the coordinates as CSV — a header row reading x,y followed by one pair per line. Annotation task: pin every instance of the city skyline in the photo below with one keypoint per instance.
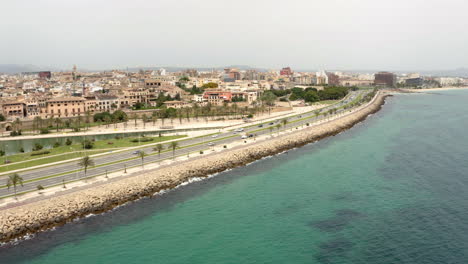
x,y
341,35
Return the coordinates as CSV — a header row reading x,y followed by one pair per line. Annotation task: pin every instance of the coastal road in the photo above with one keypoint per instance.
x,y
70,171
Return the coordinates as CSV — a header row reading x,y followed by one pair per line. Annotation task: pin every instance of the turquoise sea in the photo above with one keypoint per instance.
x,y
393,189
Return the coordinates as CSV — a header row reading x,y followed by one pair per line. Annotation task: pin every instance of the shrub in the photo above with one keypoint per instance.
x,y
68,142
37,153
110,143
21,150
143,139
201,151
2,153
39,187
37,147
224,146
44,131
57,144
87,144
250,116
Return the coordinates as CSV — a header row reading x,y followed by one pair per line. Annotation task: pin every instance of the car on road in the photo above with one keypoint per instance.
x,y
271,123
136,152
214,136
261,125
244,137
238,130
251,135
211,144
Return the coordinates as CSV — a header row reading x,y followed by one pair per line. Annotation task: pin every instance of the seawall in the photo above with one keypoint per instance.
x,y
42,215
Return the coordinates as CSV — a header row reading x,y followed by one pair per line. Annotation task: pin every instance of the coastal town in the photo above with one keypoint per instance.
x,y
31,97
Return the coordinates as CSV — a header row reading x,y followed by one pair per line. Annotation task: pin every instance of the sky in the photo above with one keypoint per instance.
x,y
303,34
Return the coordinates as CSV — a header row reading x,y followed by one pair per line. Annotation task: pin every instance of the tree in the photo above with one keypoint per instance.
x,y
57,122
144,119
2,118
85,162
14,180
284,121
158,148
135,117
142,155
278,126
271,130
311,96
210,85
174,145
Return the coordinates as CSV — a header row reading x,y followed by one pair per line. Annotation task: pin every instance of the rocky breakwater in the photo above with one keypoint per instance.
x,y
41,215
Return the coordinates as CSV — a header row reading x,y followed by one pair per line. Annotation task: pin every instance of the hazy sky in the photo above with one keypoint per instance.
x,y
303,34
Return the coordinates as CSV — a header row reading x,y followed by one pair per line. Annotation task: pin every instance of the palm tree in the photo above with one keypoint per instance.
x,y
142,155
158,148
278,126
135,117
57,122
85,162
144,118
174,145
284,121
14,180
17,124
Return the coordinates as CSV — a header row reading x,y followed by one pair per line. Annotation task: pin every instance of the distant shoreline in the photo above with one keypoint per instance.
x,y
435,89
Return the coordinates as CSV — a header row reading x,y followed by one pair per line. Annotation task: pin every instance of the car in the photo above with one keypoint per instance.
x,y
211,144
261,125
251,135
136,152
241,129
214,136
271,123
244,137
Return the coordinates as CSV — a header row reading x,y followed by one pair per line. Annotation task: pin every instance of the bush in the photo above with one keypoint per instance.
x,y
40,153
250,116
37,147
44,131
201,151
143,139
224,146
21,150
2,153
87,144
15,133
57,144
39,187
68,142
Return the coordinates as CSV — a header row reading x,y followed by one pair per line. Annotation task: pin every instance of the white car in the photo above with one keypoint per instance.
x,y
214,136
244,137
211,144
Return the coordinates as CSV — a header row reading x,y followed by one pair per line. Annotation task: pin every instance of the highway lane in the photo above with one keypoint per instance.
x,y
71,171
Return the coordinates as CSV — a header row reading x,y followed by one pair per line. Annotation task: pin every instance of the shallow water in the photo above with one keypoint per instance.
x,y
390,190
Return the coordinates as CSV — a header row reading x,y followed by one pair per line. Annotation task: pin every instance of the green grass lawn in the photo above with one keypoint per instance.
x,y
327,102
75,151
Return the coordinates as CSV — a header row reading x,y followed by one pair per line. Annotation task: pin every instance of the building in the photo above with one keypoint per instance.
x,y
414,82
65,107
333,79
385,79
14,109
286,71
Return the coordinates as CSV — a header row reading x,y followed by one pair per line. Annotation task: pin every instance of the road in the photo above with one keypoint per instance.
x,y
71,171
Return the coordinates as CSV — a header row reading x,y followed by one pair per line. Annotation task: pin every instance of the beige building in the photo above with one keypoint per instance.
x,y
66,107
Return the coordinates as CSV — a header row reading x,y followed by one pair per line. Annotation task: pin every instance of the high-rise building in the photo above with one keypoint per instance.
x,y
385,79
286,71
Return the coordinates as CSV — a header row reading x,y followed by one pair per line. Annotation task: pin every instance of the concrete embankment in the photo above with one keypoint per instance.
x,y
41,215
